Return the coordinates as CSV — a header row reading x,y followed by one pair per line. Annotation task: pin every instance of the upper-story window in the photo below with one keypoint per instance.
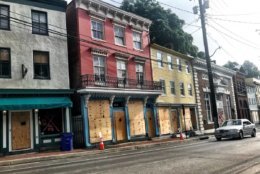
x,y
179,64
187,67
41,65
97,28
5,63
137,38
4,17
140,73
39,23
182,90
172,87
170,62
99,68
163,86
119,35
121,69
190,89
159,59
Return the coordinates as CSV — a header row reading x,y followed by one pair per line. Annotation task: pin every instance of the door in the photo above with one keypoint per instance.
x,y
21,130
151,128
174,121
120,125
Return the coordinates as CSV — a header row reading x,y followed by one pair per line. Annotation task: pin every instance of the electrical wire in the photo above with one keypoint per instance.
x,y
231,37
234,21
68,36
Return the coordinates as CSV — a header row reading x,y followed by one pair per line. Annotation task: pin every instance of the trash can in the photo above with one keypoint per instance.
x,y
66,142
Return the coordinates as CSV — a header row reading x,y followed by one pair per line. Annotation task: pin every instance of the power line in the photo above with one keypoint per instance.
x,y
68,36
239,41
214,40
239,36
195,31
227,20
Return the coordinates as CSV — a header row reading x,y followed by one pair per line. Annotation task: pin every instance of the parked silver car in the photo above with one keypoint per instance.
x,y
236,128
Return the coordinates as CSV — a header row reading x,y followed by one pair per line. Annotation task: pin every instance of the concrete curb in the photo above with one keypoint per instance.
x,y
93,152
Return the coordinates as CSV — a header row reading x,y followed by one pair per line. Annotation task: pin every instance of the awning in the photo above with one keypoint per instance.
x,y
34,103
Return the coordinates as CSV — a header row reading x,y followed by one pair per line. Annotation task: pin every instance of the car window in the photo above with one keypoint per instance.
x,y
246,123
231,122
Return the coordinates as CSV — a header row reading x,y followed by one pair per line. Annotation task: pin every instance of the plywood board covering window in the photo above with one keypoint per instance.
x,y
136,116
99,120
164,120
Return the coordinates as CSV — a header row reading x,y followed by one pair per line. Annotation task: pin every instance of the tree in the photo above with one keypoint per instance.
x,y
251,69
166,28
232,65
201,55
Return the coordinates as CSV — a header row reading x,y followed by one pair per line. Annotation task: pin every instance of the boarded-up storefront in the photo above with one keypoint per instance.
x,y
136,117
99,120
164,120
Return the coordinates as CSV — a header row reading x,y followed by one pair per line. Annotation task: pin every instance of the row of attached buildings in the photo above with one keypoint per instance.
x,y
89,68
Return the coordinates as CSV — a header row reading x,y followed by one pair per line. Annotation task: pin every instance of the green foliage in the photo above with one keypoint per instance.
x,y
251,70
248,68
166,29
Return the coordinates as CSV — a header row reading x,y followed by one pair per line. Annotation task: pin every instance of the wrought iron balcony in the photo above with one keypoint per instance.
x,y
89,80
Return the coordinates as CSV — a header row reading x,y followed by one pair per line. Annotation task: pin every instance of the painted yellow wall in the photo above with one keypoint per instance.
x,y
172,75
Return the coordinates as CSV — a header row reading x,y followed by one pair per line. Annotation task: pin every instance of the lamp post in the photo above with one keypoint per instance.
x,y
214,111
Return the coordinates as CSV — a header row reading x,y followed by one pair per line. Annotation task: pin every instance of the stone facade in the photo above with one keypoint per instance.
x,y
224,90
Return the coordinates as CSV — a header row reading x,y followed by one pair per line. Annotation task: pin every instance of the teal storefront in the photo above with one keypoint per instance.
x,y
33,122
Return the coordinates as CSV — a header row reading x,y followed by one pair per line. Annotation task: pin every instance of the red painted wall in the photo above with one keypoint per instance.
x,y
86,66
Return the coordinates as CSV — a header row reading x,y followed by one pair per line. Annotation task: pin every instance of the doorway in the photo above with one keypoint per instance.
x,y
174,121
120,125
150,118
21,130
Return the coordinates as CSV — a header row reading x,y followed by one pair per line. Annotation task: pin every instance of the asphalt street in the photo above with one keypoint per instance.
x,y
207,156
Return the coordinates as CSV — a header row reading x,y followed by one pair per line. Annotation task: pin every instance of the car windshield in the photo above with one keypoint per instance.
x,y
231,122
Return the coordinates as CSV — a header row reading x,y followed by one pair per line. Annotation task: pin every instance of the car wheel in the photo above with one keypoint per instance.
x,y
241,136
253,133
218,139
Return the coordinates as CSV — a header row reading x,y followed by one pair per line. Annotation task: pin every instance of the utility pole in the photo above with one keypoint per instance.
x,y
214,111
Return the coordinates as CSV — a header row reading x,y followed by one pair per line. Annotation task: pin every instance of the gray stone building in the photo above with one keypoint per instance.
x,y
34,75
224,89
252,87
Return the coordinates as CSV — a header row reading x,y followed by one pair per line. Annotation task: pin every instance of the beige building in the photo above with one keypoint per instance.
x,y
177,105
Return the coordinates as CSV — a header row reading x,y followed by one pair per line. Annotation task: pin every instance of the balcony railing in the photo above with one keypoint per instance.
x,y
114,82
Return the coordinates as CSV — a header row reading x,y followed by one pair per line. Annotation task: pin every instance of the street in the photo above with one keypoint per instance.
x,y
207,156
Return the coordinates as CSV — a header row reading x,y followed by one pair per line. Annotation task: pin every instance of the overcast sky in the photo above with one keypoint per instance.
x,y
233,25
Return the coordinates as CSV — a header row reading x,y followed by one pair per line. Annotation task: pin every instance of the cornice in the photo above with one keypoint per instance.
x,y
111,12
200,63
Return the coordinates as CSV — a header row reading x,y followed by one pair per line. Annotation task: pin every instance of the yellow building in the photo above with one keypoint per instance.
x,y
177,105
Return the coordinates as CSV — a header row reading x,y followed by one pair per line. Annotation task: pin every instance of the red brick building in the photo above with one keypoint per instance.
x,y
110,67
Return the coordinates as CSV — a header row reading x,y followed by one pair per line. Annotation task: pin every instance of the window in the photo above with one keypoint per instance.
x,y
159,59
172,87
190,89
121,69
39,23
170,62
5,63
140,73
41,65
97,28
187,67
163,86
4,17
99,68
228,107
179,64
182,91
207,106
119,35
137,38
51,121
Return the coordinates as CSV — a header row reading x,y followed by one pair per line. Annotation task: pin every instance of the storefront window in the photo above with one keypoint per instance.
x,y
50,121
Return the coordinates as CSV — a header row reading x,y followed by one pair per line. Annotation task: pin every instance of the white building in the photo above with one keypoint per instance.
x,y
34,77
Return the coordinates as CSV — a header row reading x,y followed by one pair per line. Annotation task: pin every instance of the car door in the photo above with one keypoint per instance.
x,y
246,127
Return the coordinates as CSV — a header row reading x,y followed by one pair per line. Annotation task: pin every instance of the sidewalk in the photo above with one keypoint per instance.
x,y
44,156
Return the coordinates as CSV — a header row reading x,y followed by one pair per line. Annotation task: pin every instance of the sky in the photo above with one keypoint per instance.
x,y
233,25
